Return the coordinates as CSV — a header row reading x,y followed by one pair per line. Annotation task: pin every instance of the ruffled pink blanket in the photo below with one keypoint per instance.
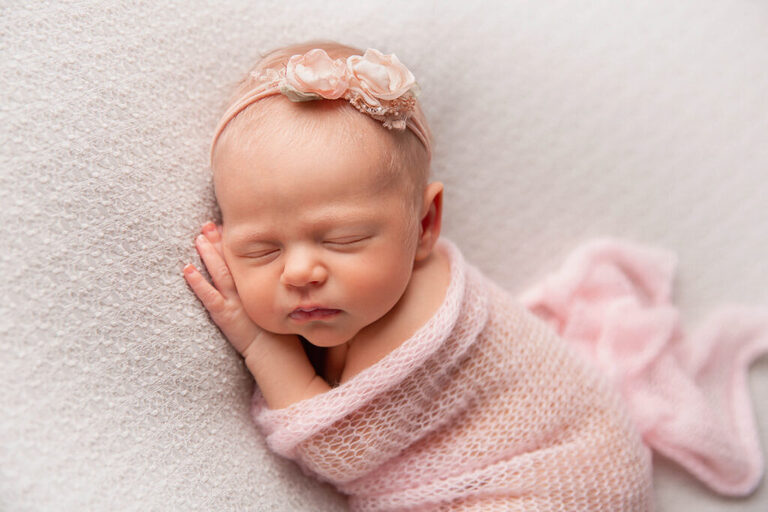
x,y
487,408
688,395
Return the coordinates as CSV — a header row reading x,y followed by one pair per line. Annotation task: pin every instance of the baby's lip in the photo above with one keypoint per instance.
x,y
310,307
312,312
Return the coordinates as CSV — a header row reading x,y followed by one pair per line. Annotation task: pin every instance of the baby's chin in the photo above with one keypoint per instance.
x,y
319,334
326,340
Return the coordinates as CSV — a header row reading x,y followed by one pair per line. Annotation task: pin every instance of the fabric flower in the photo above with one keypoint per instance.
x,y
380,76
316,74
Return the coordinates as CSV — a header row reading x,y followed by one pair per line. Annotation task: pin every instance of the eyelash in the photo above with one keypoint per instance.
x,y
341,242
347,241
262,255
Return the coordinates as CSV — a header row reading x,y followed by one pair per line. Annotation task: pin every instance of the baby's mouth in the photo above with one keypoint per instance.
x,y
313,313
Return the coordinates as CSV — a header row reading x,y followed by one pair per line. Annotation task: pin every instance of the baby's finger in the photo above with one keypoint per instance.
x,y
208,295
213,234
216,266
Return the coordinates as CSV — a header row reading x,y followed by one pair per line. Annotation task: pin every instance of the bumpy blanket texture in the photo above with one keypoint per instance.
x,y
554,122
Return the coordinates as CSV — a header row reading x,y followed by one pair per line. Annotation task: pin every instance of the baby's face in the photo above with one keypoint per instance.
x,y
317,246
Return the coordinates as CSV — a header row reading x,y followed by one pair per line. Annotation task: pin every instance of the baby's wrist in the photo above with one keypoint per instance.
x,y
261,341
254,343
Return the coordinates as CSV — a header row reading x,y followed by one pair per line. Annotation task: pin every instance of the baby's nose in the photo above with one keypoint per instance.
x,y
302,269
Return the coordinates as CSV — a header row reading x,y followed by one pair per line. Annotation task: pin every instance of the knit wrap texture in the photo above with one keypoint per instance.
x,y
483,408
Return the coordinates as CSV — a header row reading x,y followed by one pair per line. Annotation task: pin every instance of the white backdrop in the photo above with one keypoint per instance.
x,y
554,122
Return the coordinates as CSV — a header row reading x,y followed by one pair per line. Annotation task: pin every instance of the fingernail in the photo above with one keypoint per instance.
x,y
200,238
189,268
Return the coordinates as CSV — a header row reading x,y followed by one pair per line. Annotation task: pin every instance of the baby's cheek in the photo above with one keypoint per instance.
x,y
258,302
379,286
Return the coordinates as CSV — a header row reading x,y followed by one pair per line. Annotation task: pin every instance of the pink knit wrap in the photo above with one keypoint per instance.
x,y
688,395
484,408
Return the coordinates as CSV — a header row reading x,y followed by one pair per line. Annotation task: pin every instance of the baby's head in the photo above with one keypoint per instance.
x,y
325,211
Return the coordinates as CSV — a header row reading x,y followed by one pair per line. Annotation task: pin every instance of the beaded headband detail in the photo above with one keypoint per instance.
x,y
376,84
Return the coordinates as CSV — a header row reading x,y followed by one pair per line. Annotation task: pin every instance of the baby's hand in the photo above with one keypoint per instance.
x,y
278,362
222,302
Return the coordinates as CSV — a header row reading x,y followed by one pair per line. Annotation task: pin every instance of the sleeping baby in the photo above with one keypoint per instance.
x,y
385,364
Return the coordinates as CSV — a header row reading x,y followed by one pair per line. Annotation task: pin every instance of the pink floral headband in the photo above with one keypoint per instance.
x,y
377,85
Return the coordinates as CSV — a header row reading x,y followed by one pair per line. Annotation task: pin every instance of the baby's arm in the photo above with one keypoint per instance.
x,y
277,361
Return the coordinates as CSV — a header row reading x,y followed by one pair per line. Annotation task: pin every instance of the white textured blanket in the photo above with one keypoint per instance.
x,y
563,121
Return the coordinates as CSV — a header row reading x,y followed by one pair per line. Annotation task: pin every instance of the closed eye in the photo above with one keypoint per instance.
x,y
263,254
349,240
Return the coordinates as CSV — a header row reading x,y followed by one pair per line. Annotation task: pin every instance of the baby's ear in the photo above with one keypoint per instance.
x,y
431,219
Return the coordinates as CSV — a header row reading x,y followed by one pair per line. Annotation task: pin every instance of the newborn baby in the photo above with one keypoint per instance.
x,y
385,364
328,233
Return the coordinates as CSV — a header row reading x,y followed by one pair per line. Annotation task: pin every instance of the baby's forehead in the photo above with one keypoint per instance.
x,y
329,120
279,127
280,165
277,142
320,197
